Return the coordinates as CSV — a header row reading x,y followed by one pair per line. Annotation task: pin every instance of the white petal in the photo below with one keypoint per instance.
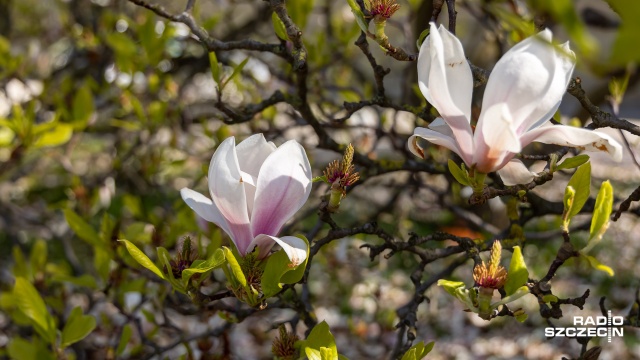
x,y
514,173
227,191
251,154
295,247
284,185
574,137
204,207
531,79
434,137
496,140
445,79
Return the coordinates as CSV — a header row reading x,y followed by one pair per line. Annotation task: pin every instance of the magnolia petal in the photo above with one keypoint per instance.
x,y
294,247
434,137
515,172
227,191
252,152
204,207
495,143
525,80
443,68
574,137
283,186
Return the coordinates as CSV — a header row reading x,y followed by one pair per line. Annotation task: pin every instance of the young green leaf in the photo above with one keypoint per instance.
x,y
598,265
32,305
215,260
215,67
82,107
581,183
278,26
518,274
78,326
58,135
418,351
357,13
141,258
124,339
235,72
602,212
82,228
451,286
236,270
573,162
320,337
568,200
320,178
422,37
461,176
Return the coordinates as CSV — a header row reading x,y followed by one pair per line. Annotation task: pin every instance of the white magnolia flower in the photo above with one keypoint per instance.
x,y
255,188
523,92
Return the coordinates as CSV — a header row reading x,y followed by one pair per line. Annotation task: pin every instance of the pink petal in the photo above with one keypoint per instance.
x,y
445,79
574,137
294,247
227,191
514,173
530,79
495,141
284,184
204,207
435,137
251,154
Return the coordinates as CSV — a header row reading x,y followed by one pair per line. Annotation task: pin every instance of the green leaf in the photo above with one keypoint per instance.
x,y
236,270
320,337
568,200
215,260
82,228
461,176
124,339
451,286
601,212
521,317
423,35
418,351
215,67
581,183
84,280
320,178
82,107
141,258
20,349
58,135
236,71
598,265
357,13
78,326
279,27
518,274
38,256
550,298
277,272
32,305
573,162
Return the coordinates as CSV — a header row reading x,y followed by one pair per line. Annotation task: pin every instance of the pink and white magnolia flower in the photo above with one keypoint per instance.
x,y
523,92
255,188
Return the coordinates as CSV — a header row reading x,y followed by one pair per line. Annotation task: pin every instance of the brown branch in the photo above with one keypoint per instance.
x,y
600,118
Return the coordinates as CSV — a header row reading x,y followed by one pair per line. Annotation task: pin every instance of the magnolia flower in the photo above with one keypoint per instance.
x,y
255,188
523,92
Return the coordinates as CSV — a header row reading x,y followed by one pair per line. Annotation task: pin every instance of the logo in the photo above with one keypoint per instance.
x,y
593,326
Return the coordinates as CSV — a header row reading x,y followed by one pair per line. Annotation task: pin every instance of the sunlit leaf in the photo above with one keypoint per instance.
x,y
598,265
214,261
78,326
141,258
460,175
32,305
82,228
517,274
581,183
573,162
